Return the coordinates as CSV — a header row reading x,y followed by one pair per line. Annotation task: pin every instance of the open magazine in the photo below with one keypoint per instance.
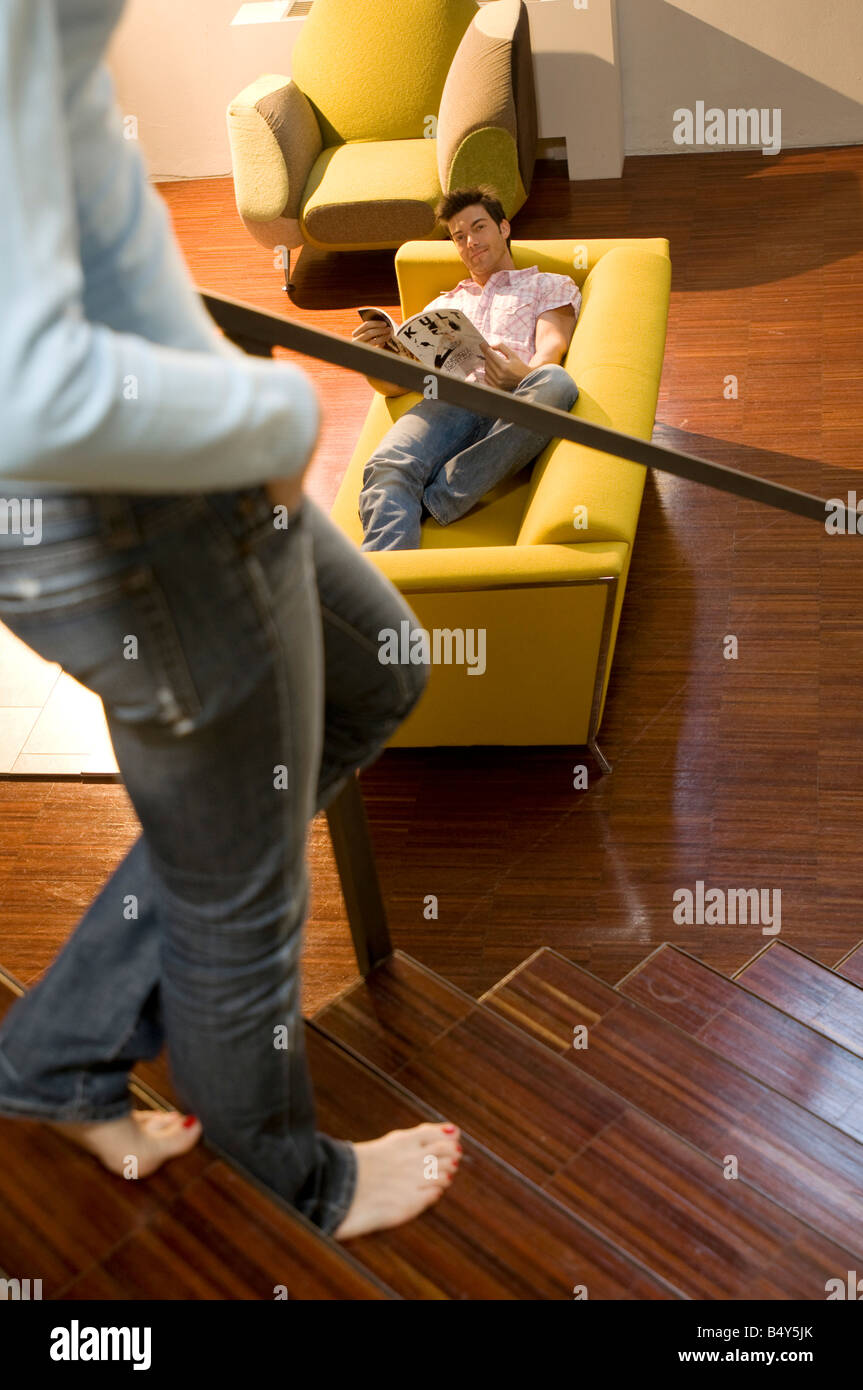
x,y
441,338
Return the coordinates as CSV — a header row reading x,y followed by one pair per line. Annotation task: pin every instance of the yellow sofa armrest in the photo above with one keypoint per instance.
x,y
472,568
616,359
275,139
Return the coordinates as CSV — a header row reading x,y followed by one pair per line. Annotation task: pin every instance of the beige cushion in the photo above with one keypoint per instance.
x,y
524,91
275,140
490,83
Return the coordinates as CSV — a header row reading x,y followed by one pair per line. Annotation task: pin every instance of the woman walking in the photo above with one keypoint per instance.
x,y
237,661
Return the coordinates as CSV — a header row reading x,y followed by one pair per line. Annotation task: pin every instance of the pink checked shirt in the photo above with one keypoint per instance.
x,y
505,309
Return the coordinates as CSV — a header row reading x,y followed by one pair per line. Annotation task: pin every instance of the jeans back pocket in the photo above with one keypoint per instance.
x,y
106,620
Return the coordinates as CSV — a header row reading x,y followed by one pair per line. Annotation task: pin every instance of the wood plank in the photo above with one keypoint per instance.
x,y
851,966
640,1185
795,1158
812,992
493,1234
222,1239
194,1229
784,1053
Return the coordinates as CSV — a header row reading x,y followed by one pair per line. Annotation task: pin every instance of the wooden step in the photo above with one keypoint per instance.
x,y
809,991
470,1245
787,1055
634,1181
802,1163
494,1235
851,966
196,1229
384,1251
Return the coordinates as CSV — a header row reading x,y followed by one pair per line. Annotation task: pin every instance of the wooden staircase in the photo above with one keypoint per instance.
x,y
680,1136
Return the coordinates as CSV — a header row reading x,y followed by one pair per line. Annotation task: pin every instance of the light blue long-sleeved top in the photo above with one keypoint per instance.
x,y
113,377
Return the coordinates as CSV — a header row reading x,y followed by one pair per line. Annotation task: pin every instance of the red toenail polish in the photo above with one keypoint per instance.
x,y
189,1121
449,1129
459,1148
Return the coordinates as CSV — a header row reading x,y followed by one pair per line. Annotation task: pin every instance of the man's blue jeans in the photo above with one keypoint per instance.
x,y
443,458
238,668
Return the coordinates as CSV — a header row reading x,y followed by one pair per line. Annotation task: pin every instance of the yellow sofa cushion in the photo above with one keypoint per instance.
x,y
374,69
495,523
366,195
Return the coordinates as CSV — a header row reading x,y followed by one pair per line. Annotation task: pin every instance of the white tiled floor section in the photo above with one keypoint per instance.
x,y
49,723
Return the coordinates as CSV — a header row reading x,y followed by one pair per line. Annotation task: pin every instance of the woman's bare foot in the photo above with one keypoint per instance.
x,y
399,1175
148,1136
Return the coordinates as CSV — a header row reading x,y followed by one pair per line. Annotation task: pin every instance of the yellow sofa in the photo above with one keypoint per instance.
x,y
541,564
387,106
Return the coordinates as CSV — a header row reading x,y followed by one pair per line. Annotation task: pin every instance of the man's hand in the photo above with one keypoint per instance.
x,y
374,333
505,374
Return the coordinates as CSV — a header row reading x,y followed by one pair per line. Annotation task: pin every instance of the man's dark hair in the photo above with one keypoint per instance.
x,y
461,198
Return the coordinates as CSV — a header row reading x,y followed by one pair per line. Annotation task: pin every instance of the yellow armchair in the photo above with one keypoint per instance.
x,y
388,105
540,565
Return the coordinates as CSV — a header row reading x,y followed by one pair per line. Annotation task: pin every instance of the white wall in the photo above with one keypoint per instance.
x,y
177,63
804,56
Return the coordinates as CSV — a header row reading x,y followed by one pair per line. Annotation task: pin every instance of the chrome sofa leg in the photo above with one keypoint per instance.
x,y
601,759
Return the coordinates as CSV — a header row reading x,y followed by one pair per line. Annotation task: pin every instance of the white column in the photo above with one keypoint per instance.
x,y
578,86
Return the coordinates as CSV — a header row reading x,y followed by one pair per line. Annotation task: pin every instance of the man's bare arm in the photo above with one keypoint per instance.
x,y
554,330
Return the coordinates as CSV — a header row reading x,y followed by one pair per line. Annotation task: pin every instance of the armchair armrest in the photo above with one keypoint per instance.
x,y
487,115
275,140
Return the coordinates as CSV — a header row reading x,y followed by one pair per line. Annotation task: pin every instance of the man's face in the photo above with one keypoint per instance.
x,y
480,242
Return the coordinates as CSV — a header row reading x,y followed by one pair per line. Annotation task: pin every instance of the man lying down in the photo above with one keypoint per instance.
x,y
440,459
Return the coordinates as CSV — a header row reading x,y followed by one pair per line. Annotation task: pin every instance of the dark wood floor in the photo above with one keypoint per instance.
x,y
743,773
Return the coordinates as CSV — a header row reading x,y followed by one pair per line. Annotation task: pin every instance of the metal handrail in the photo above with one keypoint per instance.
x,y
258,332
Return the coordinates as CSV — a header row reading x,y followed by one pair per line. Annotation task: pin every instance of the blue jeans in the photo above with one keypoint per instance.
x,y
443,458
238,668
